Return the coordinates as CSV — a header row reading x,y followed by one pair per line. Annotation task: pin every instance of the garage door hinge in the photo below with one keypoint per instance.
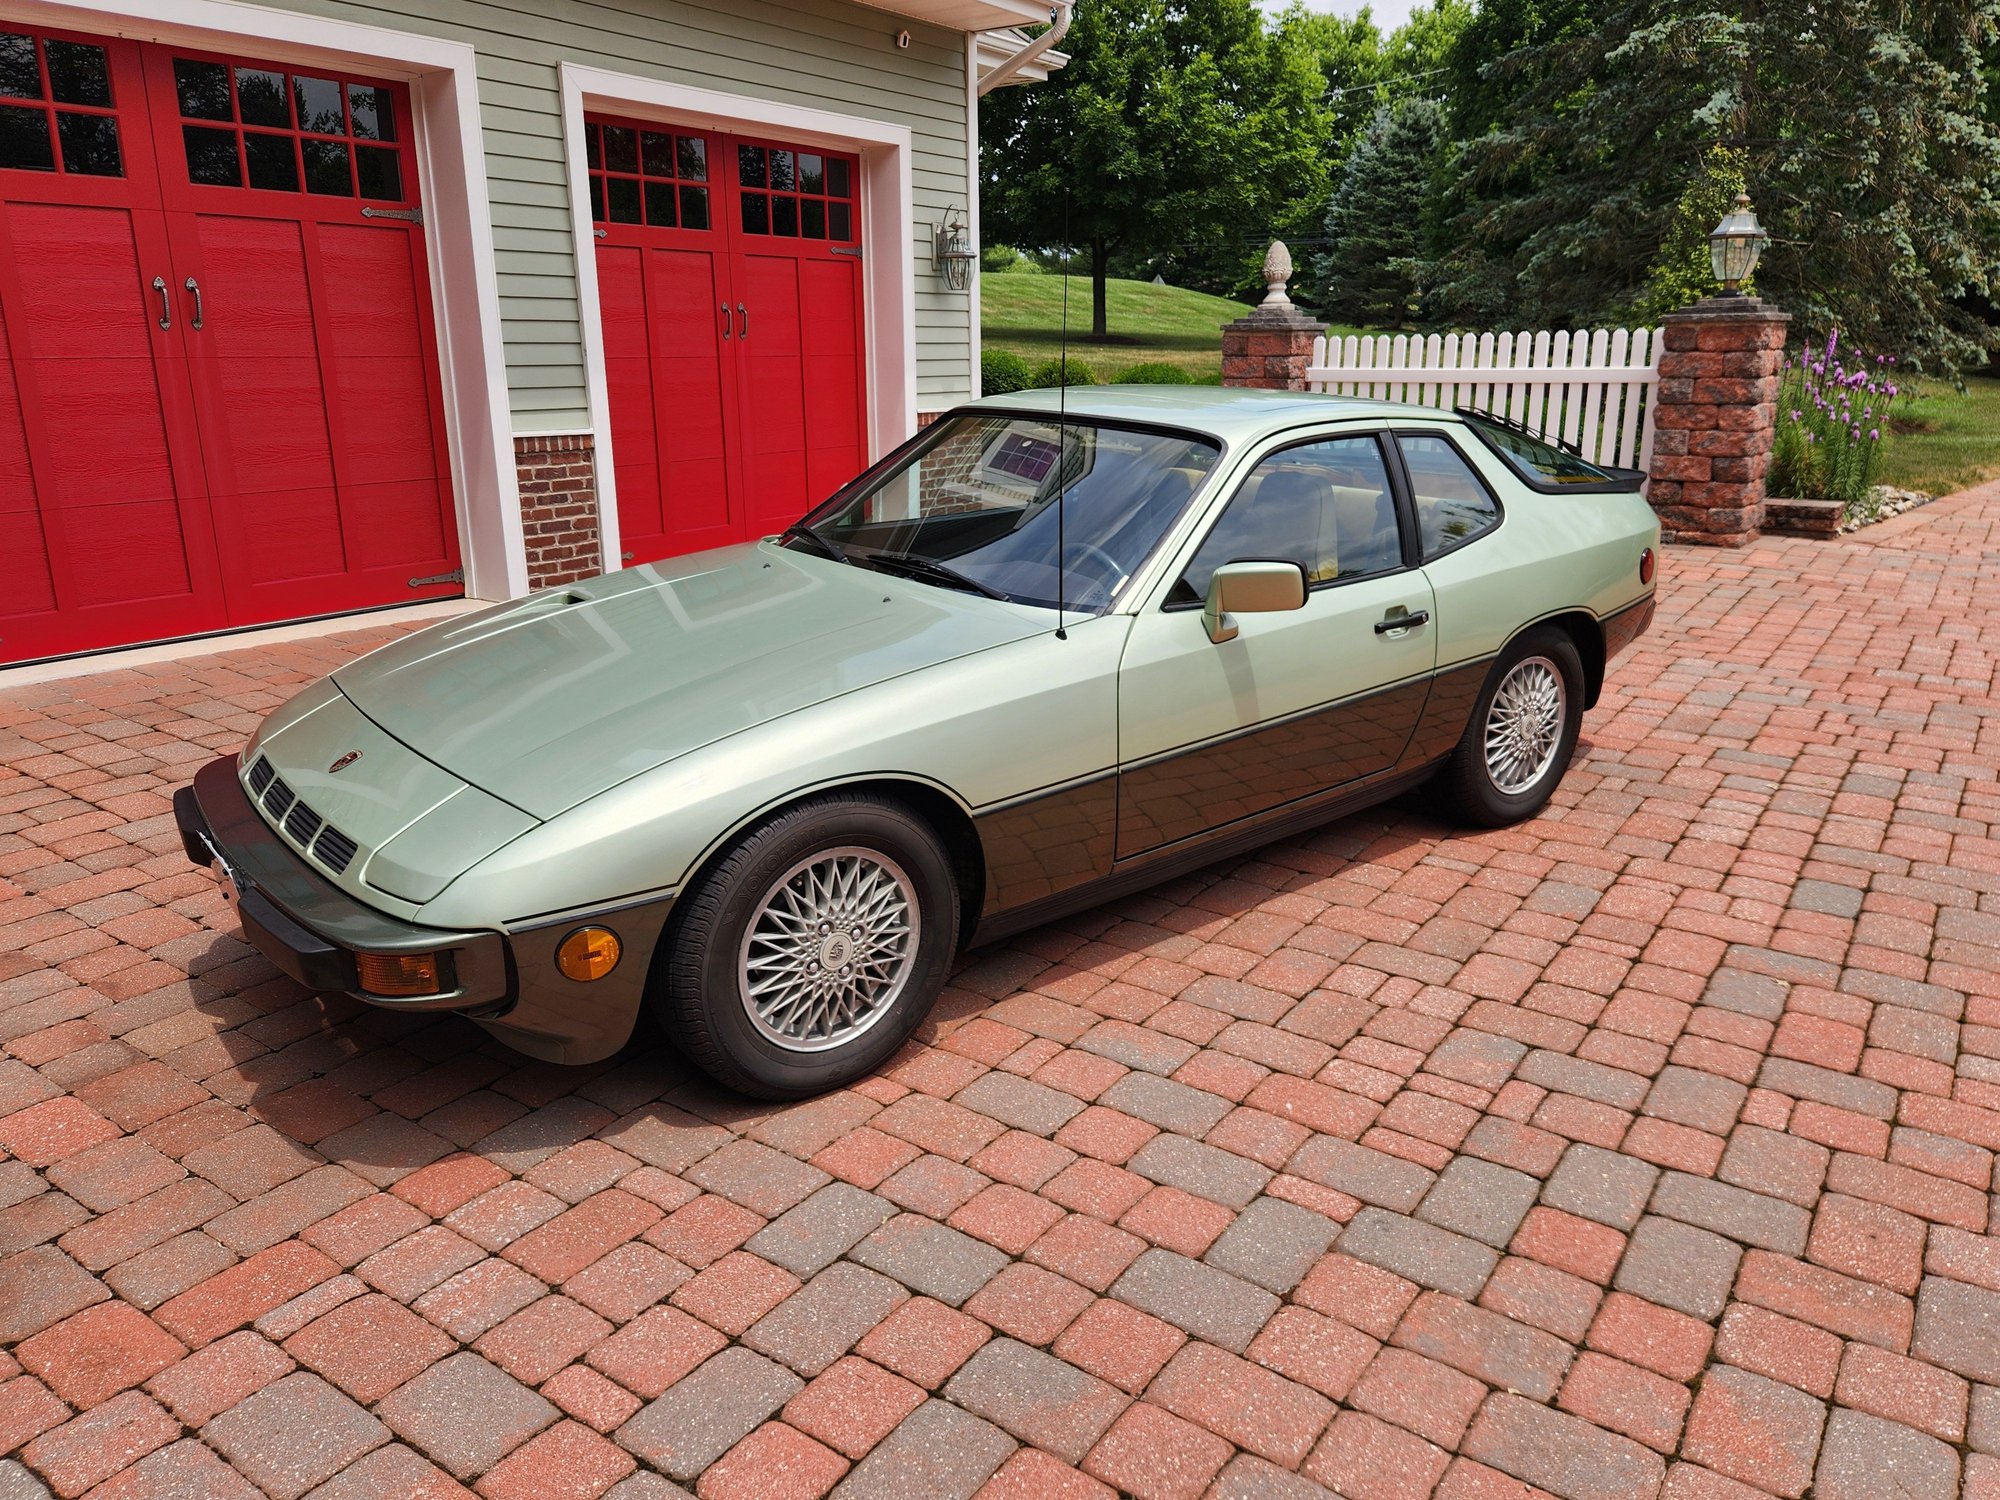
x,y
456,575
853,250
407,215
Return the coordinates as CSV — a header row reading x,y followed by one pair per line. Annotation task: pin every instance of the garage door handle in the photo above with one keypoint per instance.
x,y
166,307
195,287
743,322
1402,622
725,318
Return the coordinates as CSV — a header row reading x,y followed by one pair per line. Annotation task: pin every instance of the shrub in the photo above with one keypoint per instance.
x,y
1005,260
1050,373
1832,420
1001,371
1157,373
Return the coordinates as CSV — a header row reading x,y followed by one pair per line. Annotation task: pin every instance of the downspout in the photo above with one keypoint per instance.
x,y
1059,17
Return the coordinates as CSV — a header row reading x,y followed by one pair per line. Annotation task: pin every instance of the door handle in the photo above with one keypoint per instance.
x,y
166,306
743,320
724,308
1403,621
195,287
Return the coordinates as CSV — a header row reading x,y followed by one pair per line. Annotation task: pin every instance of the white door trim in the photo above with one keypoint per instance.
x,y
889,272
465,280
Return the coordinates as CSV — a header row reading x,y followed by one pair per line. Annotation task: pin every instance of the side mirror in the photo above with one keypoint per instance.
x,y
1250,588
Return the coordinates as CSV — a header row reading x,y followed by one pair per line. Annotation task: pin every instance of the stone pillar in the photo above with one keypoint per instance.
x,y
1715,417
558,478
1271,346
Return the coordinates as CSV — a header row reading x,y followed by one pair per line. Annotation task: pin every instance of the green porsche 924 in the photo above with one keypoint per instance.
x,y
1032,660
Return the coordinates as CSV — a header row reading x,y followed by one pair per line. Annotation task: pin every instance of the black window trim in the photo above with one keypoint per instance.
x,y
1618,480
1392,467
1499,508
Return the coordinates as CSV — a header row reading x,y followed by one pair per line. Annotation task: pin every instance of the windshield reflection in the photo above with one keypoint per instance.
x,y
975,508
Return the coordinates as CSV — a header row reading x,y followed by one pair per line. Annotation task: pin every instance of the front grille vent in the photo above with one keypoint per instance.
x,y
299,823
334,849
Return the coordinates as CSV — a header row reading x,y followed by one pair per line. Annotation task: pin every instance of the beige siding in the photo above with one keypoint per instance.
x,y
824,54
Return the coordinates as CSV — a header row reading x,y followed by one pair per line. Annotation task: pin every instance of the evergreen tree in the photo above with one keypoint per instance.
x,y
1374,227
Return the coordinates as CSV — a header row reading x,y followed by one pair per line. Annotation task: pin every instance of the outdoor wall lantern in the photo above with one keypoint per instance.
x,y
1735,245
952,254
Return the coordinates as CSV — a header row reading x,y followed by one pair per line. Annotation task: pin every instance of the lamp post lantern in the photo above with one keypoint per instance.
x,y
1735,246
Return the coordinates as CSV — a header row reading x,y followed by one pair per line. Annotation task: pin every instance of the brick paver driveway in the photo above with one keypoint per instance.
x,y
1644,1148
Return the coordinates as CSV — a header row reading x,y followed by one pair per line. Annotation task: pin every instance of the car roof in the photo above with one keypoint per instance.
x,y
1235,415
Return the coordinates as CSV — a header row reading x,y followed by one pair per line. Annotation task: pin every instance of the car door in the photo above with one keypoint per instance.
x,y
1298,701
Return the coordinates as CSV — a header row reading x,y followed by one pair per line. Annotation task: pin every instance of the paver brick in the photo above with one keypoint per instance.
x,y
1958,1327
465,1413
293,1434
1601,1185
1037,1397
1373,1176
1153,1455
1201,1300
1678,1266
1735,1212
1203,1170
1561,1453
825,1318
1868,1458
808,1238
1273,1244
1484,1344
937,1453
1479,1199
1421,1252
929,1258
1755,1430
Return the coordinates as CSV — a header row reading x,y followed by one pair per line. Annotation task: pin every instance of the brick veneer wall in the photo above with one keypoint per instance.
x,y
558,475
1716,419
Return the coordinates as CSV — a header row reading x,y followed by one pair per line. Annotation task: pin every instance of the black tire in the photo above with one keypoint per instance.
x,y
698,992
1467,783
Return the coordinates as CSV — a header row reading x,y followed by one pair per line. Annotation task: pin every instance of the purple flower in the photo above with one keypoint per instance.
x,y
1832,338
1874,434
1892,390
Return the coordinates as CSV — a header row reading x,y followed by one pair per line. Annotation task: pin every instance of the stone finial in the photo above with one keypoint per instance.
x,y
1277,271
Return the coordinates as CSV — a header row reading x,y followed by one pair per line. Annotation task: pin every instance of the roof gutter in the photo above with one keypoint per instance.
x,y
1059,18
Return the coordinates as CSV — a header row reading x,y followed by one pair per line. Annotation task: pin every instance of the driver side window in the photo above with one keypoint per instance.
x,y
1326,506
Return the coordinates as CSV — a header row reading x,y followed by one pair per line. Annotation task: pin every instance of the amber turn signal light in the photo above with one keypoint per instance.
x,y
399,974
589,953
1646,566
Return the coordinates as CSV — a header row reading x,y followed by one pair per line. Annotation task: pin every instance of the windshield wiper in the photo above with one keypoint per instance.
x,y
932,572
825,544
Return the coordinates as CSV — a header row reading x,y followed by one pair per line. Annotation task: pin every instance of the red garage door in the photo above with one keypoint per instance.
x,y
729,276
219,399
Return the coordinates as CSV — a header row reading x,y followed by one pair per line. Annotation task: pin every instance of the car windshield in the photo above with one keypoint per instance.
x,y
975,507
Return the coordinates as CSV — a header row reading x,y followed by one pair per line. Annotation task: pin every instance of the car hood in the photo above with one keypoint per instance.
x,y
554,698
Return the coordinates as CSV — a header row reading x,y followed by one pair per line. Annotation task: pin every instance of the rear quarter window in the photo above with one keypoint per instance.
x,y
1452,502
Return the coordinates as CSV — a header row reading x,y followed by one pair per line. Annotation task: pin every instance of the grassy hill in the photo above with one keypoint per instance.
x,y
1024,314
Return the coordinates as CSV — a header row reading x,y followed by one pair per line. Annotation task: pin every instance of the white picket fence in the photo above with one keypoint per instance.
x,y
1592,388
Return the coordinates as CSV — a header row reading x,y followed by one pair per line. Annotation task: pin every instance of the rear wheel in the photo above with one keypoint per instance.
x,y
1522,732
804,957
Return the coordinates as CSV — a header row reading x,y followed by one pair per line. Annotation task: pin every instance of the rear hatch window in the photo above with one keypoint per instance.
x,y
1549,465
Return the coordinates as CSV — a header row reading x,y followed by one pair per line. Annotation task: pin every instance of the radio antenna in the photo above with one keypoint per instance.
x,y
1062,424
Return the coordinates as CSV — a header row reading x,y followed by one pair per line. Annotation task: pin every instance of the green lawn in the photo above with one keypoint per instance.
x,y
1023,314
1944,441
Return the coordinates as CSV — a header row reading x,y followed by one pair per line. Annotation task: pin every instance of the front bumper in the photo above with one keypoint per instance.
x,y
310,928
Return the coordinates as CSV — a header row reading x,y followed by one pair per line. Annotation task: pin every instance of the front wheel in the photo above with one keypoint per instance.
x,y
1522,733
805,956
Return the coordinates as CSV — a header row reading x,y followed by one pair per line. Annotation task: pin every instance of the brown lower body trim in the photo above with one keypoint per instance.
x,y
1627,625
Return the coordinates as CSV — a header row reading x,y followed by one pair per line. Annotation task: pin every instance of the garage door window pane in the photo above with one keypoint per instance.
x,y
211,156
78,74
318,102
838,222
20,75
90,144
203,88
694,208
381,173
624,199
750,166
812,219
693,157
24,140
621,149
273,165
1453,506
372,112
660,204
785,216
260,95
327,170
756,214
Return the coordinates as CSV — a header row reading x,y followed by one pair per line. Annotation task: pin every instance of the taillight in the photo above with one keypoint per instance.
x,y
1646,566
